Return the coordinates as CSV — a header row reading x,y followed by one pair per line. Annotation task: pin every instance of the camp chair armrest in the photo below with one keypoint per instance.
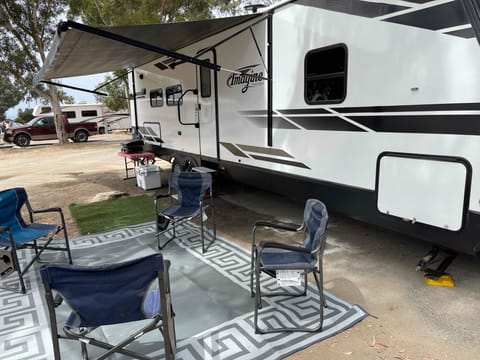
x,y
275,245
266,224
159,196
155,201
4,228
54,209
275,226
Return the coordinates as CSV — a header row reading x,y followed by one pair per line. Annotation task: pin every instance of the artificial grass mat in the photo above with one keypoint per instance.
x,y
104,215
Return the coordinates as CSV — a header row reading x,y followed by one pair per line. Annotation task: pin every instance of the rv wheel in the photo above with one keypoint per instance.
x,y
176,165
189,164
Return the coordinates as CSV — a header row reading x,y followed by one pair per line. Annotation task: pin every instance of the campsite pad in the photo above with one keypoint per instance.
x,y
210,294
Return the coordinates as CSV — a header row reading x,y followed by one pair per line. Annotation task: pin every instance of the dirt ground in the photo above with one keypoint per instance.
x,y
364,265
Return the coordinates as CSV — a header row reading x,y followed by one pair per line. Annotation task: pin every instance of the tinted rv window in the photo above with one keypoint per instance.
x,y
156,98
326,75
173,93
45,109
205,81
69,114
89,112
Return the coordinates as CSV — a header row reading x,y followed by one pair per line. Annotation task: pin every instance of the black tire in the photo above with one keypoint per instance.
x,y
101,130
182,163
81,136
177,165
189,164
22,140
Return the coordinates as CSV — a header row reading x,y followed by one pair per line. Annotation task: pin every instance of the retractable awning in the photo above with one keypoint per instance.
x,y
79,50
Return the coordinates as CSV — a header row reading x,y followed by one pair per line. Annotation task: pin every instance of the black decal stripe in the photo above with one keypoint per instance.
x,y
434,18
277,123
280,161
262,150
418,1
313,111
354,7
403,108
234,150
329,123
430,124
254,112
467,33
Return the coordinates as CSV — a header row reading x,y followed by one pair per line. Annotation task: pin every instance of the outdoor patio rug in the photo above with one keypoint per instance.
x,y
210,294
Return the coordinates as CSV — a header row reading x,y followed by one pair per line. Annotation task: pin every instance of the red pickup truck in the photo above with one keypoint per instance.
x,y
43,128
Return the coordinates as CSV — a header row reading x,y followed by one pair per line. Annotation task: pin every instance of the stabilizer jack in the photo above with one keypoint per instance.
x,y
431,259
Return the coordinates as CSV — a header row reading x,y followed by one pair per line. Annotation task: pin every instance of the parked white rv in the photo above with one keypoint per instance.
x,y
106,120
374,108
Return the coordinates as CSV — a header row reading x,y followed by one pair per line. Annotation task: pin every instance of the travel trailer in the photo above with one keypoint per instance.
x,y
374,108
81,111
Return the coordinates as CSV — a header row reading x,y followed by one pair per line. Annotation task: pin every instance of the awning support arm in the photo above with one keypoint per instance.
x,y
74,88
111,81
65,25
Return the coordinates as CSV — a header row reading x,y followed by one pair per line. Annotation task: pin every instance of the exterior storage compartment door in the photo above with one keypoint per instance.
x,y
426,189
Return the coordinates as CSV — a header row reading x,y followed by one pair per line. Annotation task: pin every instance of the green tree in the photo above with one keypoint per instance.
x,y
116,87
27,28
127,12
24,116
10,95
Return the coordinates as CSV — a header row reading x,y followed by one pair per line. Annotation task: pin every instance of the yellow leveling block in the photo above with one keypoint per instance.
x,y
443,280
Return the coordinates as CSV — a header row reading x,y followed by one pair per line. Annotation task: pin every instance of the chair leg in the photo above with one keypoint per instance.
x,y
67,245
258,297
252,259
16,265
201,230
321,297
159,244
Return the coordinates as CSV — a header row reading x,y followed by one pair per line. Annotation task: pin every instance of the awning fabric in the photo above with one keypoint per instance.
x,y
76,52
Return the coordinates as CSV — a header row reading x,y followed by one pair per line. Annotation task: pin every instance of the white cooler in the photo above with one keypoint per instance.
x,y
148,177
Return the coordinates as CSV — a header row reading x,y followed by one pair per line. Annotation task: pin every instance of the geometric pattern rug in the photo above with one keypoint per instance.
x,y
210,295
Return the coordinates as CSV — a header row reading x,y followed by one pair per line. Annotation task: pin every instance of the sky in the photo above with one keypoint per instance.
x,y
89,82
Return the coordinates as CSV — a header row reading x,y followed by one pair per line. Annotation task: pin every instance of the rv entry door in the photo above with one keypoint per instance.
x,y
206,109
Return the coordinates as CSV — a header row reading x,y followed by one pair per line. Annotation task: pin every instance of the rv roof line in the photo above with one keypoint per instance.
x,y
254,7
249,26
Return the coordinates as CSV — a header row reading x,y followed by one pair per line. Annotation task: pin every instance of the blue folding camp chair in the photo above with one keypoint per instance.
x,y
107,295
269,256
16,234
188,193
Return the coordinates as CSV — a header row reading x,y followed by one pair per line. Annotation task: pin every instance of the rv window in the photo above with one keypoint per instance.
x,y
173,93
326,75
45,109
156,98
69,114
205,81
89,112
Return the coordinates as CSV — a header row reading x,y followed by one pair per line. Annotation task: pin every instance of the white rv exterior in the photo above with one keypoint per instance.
x,y
395,141
79,112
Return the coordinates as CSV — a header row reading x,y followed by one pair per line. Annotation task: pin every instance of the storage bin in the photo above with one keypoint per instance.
x,y
148,177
